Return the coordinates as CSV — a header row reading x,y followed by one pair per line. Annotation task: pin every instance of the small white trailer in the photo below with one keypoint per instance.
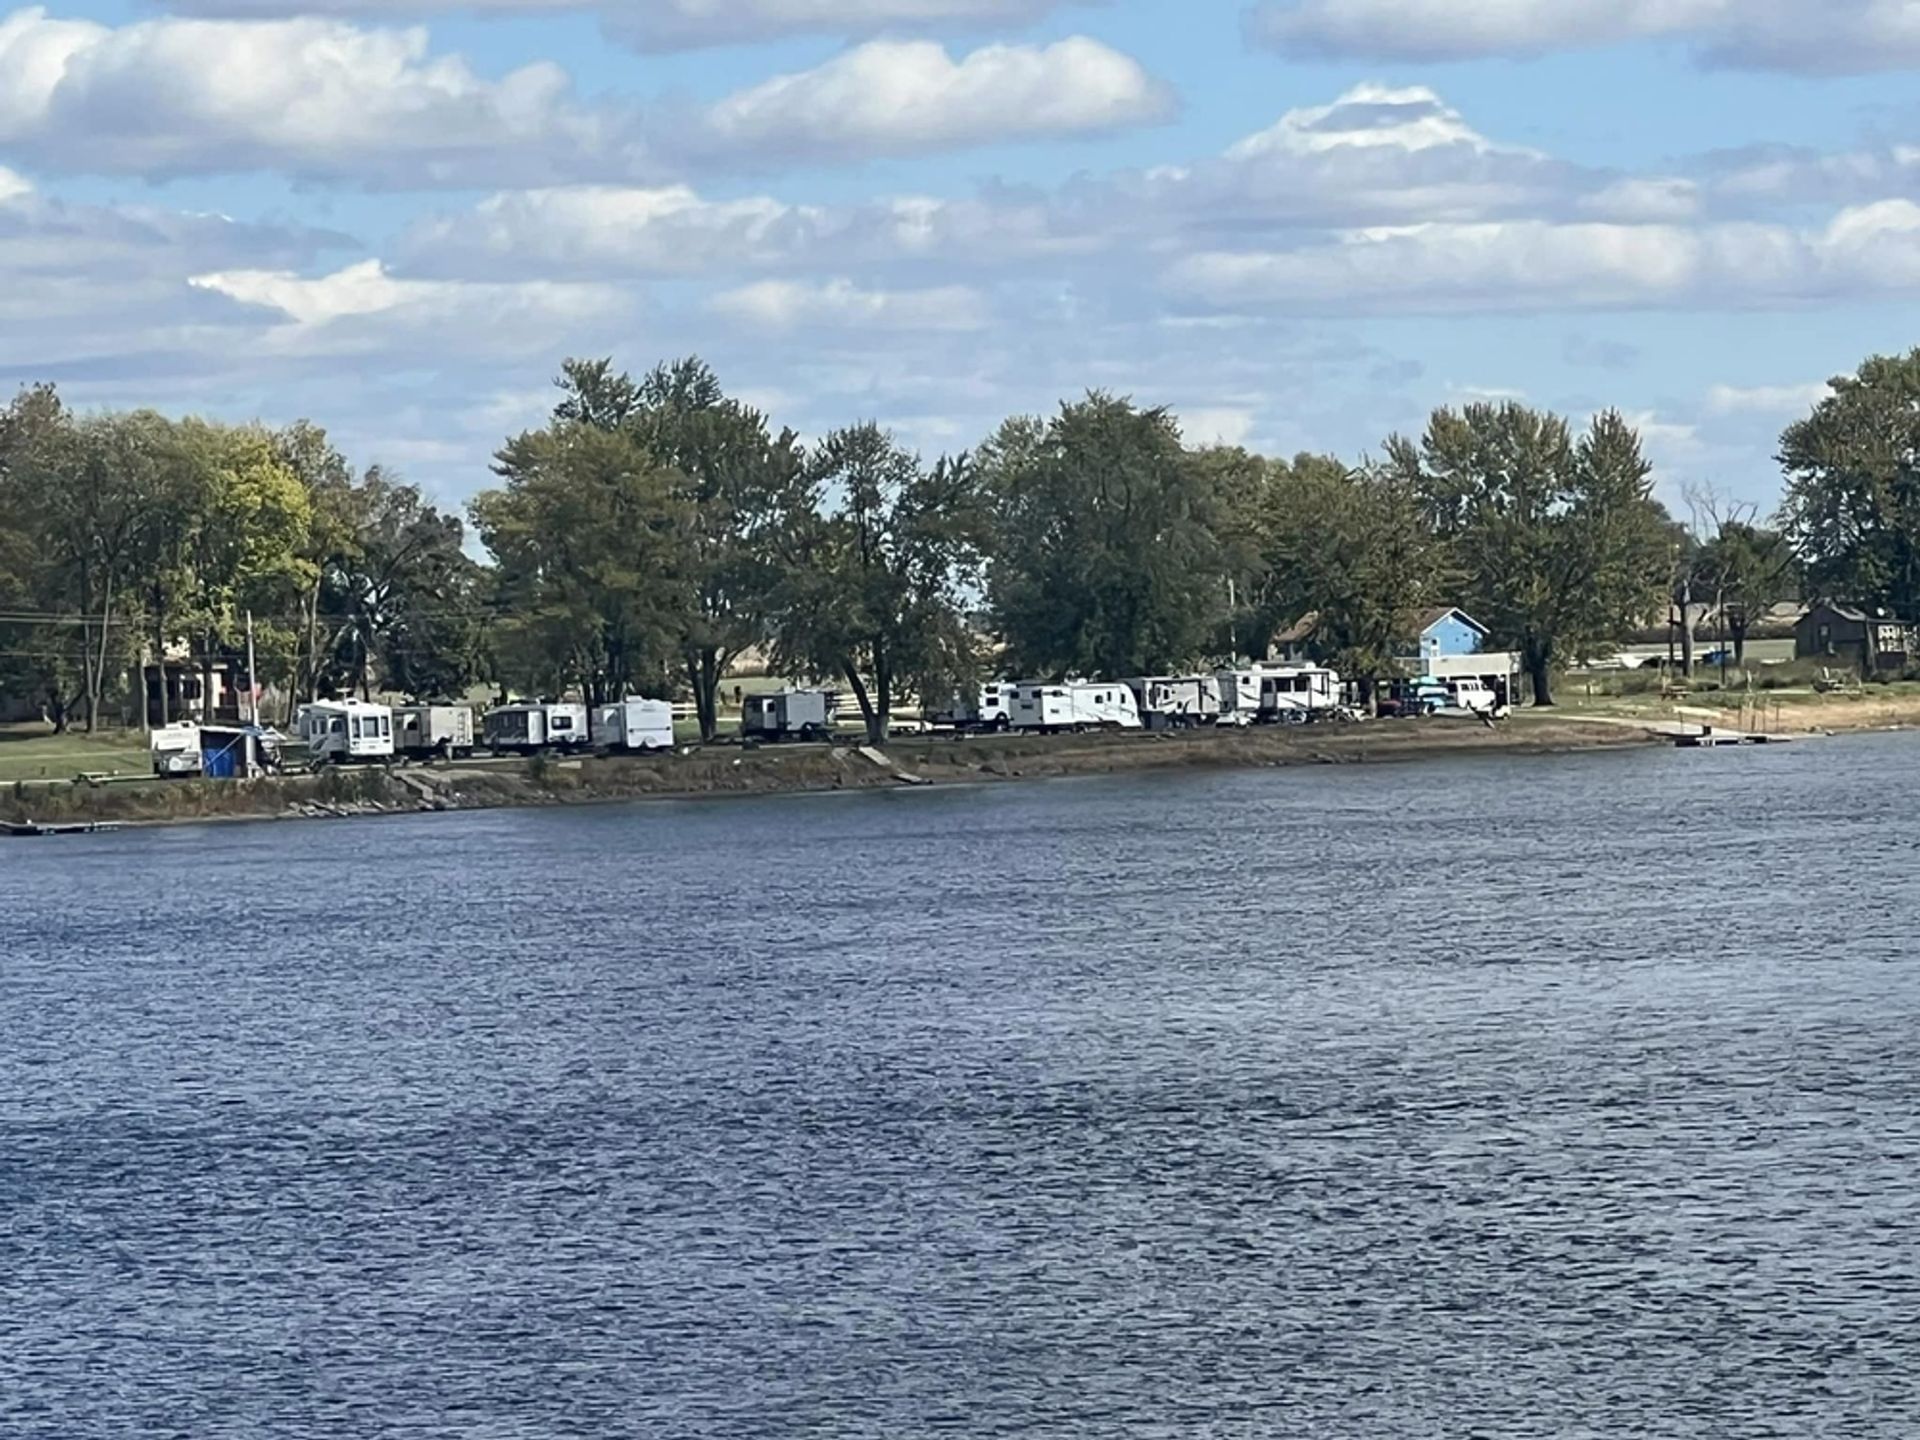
x,y
176,749
423,731
1177,702
531,726
1298,693
344,732
1050,707
990,708
633,724
788,715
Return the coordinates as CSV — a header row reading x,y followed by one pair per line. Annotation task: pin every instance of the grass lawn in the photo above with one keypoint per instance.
x,y
29,752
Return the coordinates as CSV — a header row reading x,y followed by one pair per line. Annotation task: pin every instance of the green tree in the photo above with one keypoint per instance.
x,y
737,482
1354,548
1106,547
1559,543
1852,507
587,535
879,558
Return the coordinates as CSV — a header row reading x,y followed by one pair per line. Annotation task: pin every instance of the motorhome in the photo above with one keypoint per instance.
x,y
1177,702
531,726
1075,705
633,724
788,715
343,732
1298,693
990,708
422,731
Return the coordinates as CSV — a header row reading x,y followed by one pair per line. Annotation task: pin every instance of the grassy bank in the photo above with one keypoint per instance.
x,y
731,770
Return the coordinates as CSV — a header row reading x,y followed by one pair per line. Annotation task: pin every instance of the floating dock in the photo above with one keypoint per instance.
x,y
1714,739
28,828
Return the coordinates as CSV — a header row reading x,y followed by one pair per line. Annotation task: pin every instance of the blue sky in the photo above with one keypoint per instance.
x,y
1301,223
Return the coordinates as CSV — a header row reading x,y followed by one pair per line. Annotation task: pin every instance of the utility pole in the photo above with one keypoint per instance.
x,y
253,689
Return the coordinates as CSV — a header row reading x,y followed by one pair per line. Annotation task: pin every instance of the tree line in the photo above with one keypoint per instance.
x,y
657,528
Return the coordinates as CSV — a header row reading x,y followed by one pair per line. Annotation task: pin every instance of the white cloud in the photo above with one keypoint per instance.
x,y
615,229
679,24
1798,36
1409,119
1216,425
364,308
785,305
898,97
309,97
13,186
1765,399
1534,264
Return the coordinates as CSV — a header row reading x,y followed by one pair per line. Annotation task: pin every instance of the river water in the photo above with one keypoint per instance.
x,y
1533,1097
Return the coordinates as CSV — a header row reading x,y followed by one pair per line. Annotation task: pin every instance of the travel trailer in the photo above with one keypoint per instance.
x,y
990,708
1297,694
425,731
633,724
175,749
1177,702
788,715
535,725
342,732
1075,705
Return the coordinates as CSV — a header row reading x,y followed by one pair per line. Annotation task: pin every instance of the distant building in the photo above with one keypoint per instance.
x,y
1446,632
1871,641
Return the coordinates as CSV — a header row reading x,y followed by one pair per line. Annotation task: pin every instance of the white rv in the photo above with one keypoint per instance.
x,y
634,724
176,748
536,725
426,730
1298,693
1075,705
991,708
1177,702
340,732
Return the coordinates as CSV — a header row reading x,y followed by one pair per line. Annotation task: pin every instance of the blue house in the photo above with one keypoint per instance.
x,y
1444,632
1447,631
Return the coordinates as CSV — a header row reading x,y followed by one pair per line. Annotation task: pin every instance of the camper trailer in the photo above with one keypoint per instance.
x,y
990,708
343,732
788,715
423,731
1177,702
633,724
1297,694
176,749
1075,705
532,726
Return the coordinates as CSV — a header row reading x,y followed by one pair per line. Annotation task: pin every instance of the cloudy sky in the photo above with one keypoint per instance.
x,y
1301,223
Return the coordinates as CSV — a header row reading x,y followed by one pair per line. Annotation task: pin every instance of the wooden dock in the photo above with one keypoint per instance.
x,y
1714,739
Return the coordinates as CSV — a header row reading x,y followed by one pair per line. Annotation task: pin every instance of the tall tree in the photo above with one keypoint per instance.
x,y
1852,508
1559,543
1106,549
879,559
737,481
1353,547
587,534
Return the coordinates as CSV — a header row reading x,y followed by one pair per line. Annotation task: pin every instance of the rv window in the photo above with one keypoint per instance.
x,y
339,725
386,727
561,722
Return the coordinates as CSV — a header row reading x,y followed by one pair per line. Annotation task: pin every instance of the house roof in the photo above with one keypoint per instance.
x,y
1430,618
1301,630
1856,612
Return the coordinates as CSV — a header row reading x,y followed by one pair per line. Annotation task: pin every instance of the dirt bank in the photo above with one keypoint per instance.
x,y
731,770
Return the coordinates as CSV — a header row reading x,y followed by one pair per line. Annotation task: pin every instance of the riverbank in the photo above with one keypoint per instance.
x,y
732,770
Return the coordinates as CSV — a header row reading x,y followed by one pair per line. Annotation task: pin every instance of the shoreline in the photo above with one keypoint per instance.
x,y
723,771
